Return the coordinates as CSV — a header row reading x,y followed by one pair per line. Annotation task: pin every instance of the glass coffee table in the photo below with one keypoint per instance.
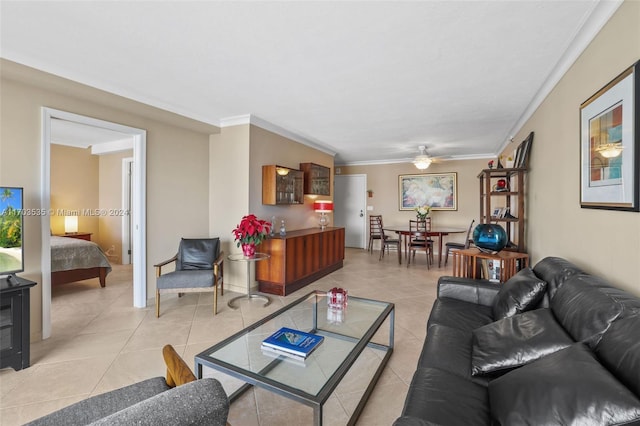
x,y
311,381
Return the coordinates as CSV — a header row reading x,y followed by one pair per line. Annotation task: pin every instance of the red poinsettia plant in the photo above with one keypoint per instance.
x,y
251,230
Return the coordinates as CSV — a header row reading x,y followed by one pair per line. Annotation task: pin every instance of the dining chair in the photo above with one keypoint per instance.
x,y
423,244
386,242
422,226
458,246
375,230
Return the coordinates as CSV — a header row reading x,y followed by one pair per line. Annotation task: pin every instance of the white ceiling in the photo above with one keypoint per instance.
x,y
368,80
77,135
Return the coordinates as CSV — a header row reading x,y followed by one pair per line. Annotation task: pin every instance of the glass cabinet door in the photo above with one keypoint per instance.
x,y
281,185
317,179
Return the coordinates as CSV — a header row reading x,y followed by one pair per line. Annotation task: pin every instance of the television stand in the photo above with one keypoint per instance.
x,y
14,322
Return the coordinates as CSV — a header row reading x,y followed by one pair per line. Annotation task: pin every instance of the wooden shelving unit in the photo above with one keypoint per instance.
x,y
512,199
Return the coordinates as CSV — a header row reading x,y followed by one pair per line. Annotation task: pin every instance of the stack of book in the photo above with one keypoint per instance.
x,y
291,343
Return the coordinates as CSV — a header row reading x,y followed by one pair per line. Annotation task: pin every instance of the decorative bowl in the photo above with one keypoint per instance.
x,y
490,237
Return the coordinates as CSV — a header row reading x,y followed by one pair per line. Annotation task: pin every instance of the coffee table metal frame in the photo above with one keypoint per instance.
x,y
317,401
249,260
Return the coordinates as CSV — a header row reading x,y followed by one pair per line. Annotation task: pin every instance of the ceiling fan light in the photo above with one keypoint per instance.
x,y
422,162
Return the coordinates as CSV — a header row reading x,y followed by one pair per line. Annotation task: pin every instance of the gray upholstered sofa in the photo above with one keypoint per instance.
x,y
553,345
179,399
150,402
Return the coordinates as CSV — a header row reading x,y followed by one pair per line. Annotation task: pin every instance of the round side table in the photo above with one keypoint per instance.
x,y
239,257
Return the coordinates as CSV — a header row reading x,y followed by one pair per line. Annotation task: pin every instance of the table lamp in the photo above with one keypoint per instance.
x,y
71,224
323,207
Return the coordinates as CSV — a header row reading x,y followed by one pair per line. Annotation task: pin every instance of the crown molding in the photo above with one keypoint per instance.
x,y
111,147
236,120
239,120
410,160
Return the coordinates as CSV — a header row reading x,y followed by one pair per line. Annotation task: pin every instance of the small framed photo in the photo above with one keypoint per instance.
x,y
522,153
496,213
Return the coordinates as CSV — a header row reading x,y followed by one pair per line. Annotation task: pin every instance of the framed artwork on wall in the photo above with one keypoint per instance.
x,y
522,153
610,145
436,190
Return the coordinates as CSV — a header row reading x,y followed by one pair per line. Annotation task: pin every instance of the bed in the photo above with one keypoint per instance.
x,y
75,260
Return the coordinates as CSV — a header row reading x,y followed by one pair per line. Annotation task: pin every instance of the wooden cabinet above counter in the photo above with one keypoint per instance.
x,y
299,258
317,179
281,185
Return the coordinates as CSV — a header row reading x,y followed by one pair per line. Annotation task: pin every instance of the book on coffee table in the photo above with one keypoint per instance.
x,y
295,342
286,356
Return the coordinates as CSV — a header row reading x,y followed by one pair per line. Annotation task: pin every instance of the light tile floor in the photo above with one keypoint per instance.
x,y
100,342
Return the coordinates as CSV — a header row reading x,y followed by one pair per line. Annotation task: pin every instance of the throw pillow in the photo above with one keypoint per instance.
x,y
516,341
520,293
568,387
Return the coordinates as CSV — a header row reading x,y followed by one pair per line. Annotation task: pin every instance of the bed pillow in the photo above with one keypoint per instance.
x,y
515,341
520,293
572,381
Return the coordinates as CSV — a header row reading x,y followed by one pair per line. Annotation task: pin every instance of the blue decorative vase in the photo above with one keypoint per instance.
x,y
489,236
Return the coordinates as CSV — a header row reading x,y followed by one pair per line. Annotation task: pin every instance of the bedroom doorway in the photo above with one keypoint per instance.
x,y
137,138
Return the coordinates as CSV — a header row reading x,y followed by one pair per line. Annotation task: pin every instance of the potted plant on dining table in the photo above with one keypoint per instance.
x,y
250,232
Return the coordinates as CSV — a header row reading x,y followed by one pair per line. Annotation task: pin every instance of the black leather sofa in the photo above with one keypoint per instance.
x,y
553,345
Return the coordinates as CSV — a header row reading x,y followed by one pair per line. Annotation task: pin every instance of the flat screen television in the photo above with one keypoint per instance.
x,y
11,226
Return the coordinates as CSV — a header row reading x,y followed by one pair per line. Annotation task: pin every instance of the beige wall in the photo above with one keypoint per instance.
x,y
600,241
110,184
270,148
74,187
237,156
383,181
177,163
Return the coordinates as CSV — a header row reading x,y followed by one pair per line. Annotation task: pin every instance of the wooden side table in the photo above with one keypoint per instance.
x,y
468,263
78,235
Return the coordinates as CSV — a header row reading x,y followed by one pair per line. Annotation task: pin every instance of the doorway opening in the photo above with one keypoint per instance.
x,y
138,214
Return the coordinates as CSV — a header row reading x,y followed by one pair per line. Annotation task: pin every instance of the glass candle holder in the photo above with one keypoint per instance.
x,y
337,298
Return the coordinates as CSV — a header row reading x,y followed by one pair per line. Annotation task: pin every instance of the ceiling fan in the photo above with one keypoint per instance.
x,y
422,160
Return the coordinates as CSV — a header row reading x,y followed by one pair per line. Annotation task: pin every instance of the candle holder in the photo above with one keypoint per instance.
x,y
337,298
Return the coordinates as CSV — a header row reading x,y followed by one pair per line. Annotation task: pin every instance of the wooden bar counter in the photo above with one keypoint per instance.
x,y
299,258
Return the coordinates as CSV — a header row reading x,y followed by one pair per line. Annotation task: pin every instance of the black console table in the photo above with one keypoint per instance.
x,y
14,322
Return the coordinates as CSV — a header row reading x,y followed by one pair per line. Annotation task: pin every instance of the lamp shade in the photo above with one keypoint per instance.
x,y
70,224
323,206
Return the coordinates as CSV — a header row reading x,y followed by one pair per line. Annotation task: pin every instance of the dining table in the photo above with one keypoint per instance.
x,y
439,232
